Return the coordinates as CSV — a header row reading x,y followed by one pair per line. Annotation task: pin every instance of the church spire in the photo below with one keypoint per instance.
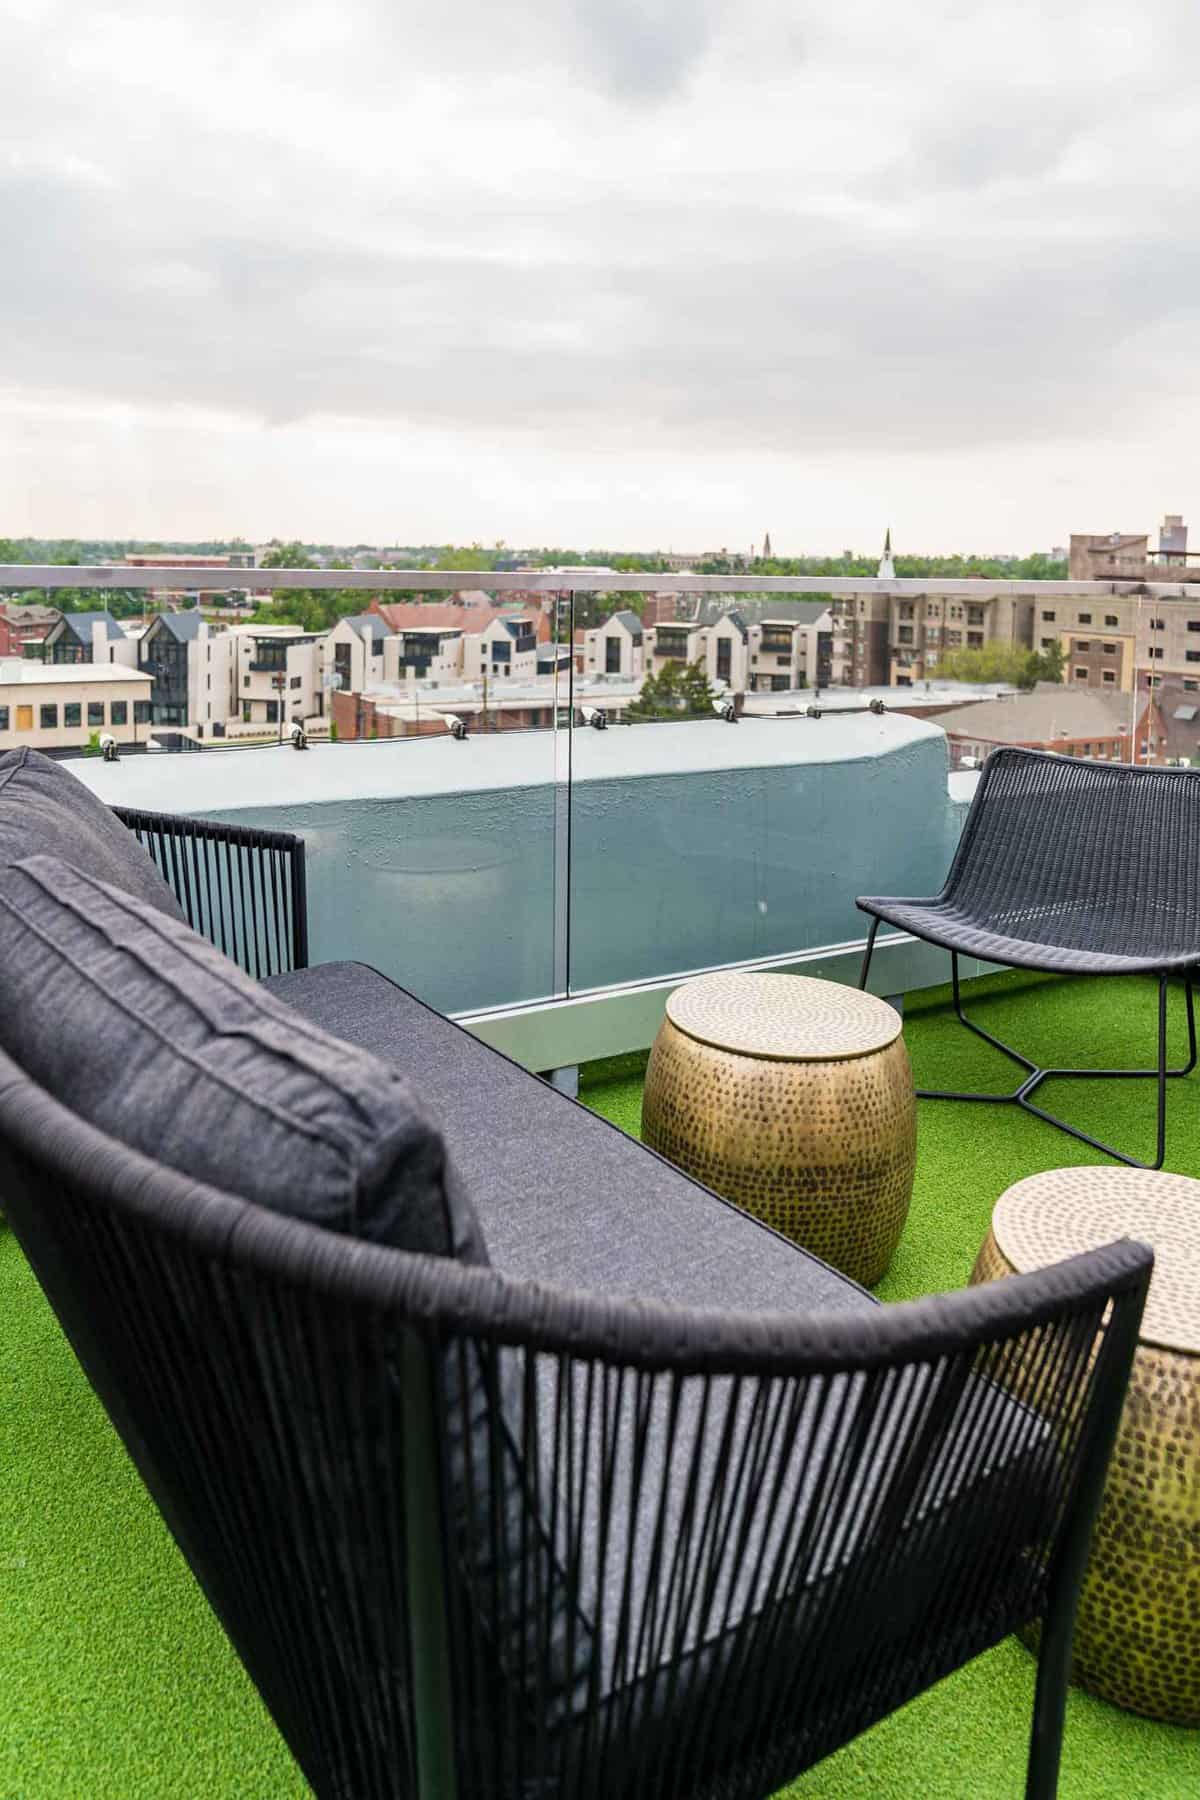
x,y
766,555
886,570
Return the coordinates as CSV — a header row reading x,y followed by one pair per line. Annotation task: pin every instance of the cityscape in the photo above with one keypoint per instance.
x,y
166,667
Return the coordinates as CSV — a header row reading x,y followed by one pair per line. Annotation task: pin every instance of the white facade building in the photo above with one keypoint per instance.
x,y
62,706
505,650
615,648
277,672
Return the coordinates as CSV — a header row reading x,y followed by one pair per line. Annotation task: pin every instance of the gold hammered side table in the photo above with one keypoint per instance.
x,y
793,1098
1137,1639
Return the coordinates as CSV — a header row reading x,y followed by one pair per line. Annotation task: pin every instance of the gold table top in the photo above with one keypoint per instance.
x,y
784,1018
1047,1217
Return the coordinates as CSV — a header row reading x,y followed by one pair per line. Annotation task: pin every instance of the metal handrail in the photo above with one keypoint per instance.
x,y
562,581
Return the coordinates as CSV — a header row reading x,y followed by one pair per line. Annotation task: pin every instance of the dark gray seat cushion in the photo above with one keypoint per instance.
x,y
563,1196
567,1198
145,1030
44,809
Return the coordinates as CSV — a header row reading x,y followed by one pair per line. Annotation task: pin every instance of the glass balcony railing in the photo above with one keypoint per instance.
x,y
524,837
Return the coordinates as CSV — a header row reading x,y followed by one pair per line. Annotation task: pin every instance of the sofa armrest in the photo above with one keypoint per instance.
x,y
242,888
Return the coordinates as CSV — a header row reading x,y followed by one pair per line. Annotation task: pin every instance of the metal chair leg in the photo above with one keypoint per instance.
x,y
1036,1075
866,961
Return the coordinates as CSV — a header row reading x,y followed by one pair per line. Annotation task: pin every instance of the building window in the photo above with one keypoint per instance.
x,y
296,681
1047,618
1191,656
1049,643
1082,646
3,718
1154,650
245,681
208,681
49,718
141,712
1193,624
1081,674
72,715
1110,649
1084,618
1158,624
1154,681
95,713
118,712
1108,676
245,712
1111,619
272,712
1191,687
612,657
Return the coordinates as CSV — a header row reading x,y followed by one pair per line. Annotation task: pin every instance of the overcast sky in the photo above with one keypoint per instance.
x,y
599,272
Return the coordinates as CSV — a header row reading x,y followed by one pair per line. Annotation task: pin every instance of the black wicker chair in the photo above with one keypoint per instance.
x,y
474,1537
1077,868
240,887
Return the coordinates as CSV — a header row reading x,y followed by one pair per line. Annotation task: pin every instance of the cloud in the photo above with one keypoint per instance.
x,y
710,230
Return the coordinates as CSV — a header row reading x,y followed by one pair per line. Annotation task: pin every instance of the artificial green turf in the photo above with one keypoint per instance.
x,y
969,1735
116,1681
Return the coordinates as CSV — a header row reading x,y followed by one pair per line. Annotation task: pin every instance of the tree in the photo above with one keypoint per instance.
x,y
676,692
1050,663
991,662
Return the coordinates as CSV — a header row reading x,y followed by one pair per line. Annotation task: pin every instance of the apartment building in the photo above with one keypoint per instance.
x,y
89,637
753,647
192,669
24,628
923,629
770,645
277,676
1118,639
859,650
352,653
60,706
671,643
615,648
423,653
1127,556
505,650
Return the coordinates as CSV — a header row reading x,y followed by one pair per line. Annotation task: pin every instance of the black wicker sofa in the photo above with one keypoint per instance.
x,y
513,1462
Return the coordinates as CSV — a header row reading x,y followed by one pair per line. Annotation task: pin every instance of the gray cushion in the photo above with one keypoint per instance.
x,y
567,1198
148,1032
45,809
563,1196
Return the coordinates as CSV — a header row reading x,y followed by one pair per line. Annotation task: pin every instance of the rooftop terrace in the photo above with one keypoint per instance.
x,y
118,1681
550,889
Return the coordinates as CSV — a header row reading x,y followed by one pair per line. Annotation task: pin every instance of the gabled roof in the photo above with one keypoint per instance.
x,y
630,621
413,614
79,624
1051,711
182,625
369,625
735,619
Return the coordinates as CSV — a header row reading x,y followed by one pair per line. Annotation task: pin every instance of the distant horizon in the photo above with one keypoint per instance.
x,y
216,545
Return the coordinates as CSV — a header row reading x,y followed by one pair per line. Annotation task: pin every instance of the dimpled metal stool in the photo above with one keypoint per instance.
x,y
1137,1638
793,1098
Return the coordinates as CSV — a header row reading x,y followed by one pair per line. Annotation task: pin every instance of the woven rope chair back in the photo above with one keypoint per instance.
x,y
478,1538
1079,853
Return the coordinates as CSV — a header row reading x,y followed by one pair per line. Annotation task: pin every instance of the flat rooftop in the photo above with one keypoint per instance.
x,y
271,776
21,673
